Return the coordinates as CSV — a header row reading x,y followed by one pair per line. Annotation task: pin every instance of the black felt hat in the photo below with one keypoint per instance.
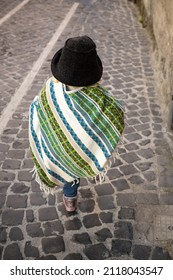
x,y
77,63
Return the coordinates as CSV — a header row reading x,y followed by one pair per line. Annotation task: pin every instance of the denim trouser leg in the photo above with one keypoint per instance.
x,y
70,189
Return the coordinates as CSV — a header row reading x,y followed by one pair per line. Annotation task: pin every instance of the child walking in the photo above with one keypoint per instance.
x,y
74,124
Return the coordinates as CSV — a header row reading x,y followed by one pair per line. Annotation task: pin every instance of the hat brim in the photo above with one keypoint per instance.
x,y
54,63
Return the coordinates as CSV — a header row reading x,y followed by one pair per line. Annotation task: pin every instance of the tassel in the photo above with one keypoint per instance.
x,y
75,181
43,187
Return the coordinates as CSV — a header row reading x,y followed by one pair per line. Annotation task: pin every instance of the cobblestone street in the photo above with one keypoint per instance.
x,y
129,216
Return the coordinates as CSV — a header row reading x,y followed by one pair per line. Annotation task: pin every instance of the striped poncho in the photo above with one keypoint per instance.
x,y
73,134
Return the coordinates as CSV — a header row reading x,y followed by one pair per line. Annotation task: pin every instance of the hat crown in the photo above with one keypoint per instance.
x,y
77,63
80,44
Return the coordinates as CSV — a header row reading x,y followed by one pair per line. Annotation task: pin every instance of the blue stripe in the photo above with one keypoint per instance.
x,y
33,133
118,103
85,127
82,96
55,162
92,124
73,134
56,176
58,157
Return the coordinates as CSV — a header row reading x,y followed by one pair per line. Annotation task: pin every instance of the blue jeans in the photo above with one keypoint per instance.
x,y
70,189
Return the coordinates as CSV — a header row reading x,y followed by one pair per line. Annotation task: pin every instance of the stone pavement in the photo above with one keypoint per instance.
x,y
129,216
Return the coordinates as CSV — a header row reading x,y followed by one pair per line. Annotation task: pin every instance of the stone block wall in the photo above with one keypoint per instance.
x,y
157,16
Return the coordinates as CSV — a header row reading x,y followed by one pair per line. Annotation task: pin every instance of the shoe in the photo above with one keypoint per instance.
x,y
70,203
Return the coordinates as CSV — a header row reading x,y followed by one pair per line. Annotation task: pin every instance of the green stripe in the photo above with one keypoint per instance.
x,y
55,144
96,117
42,175
83,169
108,105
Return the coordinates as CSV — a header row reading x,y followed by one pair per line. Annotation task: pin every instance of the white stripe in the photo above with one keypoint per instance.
x,y
113,127
78,129
45,162
104,115
50,165
32,142
13,11
90,127
67,134
62,148
104,128
24,87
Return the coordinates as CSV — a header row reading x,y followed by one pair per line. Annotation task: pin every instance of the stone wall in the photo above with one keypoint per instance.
x,y
157,16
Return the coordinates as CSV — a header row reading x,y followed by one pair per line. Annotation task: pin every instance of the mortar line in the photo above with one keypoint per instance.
x,y
13,11
20,93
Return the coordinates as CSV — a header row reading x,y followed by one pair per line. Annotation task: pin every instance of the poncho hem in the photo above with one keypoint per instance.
x,y
98,179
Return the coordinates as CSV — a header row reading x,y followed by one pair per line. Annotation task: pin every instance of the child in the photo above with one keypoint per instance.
x,y
75,124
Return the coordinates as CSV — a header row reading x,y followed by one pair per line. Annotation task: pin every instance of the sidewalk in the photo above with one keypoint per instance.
x,y
129,216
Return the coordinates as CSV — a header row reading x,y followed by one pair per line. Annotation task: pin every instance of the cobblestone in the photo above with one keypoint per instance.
x,y
127,199
2,200
159,254
3,234
37,199
126,213
97,252
4,187
82,238
16,234
121,184
12,217
150,176
87,206
146,153
120,247
114,174
104,189
105,202
143,198
11,164
7,176
73,256
17,201
12,252
47,213
17,154
123,230
31,251
4,147
74,224
51,227
19,188
103,234
130,157
91,220
143,166
128,169
141,252
106,217
166,198
53,244
36,226
29,216
34,230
